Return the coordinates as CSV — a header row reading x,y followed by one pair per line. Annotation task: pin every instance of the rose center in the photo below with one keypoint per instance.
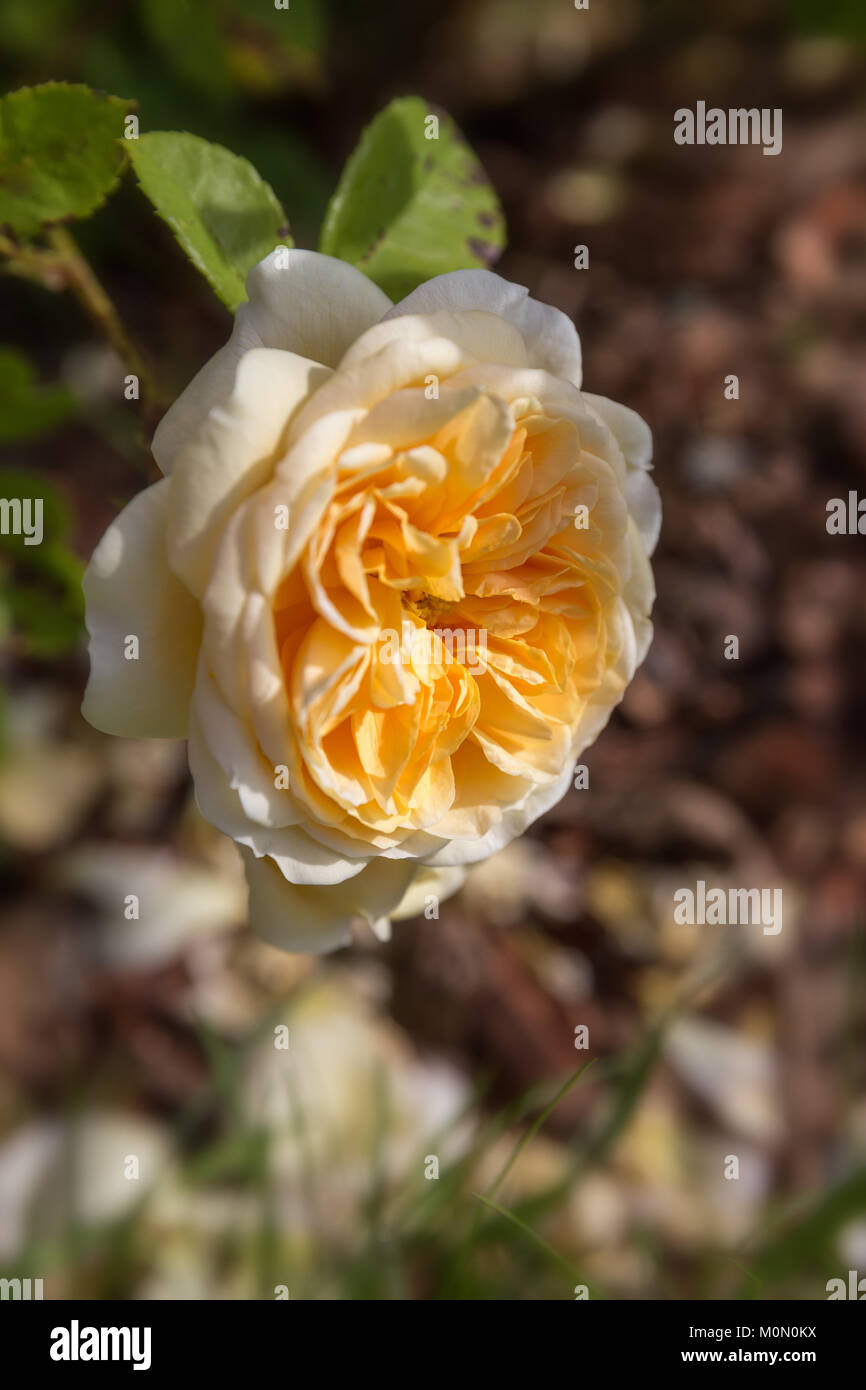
x,y
426,607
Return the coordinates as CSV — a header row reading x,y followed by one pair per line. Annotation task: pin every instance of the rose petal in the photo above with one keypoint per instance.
x,y
484,337
631,432
299,301
318,919
131,591
438,883
232,453
634,438
550,337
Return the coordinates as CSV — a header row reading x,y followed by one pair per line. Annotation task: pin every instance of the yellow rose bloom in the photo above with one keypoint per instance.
x,y
392,584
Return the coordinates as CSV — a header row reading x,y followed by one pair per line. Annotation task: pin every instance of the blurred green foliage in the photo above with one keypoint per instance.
x,y
41,606
840,19
447,1239
26,408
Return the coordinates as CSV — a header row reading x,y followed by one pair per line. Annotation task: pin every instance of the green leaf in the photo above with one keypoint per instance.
x,y
27,409
222,212
408,207
60,154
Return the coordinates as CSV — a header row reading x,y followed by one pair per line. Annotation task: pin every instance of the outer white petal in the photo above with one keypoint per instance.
x,y
314,305
440,883
300,859
513,823
645,505
318,919
232,453
211,385
230,739
630,430
485,337
550,336
640,593
634,438
130,591
299,301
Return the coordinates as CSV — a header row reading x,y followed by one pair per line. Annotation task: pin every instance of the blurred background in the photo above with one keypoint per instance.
x,y
154,1141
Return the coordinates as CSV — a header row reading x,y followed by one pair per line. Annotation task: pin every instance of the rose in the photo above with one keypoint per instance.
x,y
342,471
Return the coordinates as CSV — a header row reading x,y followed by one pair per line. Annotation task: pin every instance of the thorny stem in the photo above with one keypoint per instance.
x,y
64,267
